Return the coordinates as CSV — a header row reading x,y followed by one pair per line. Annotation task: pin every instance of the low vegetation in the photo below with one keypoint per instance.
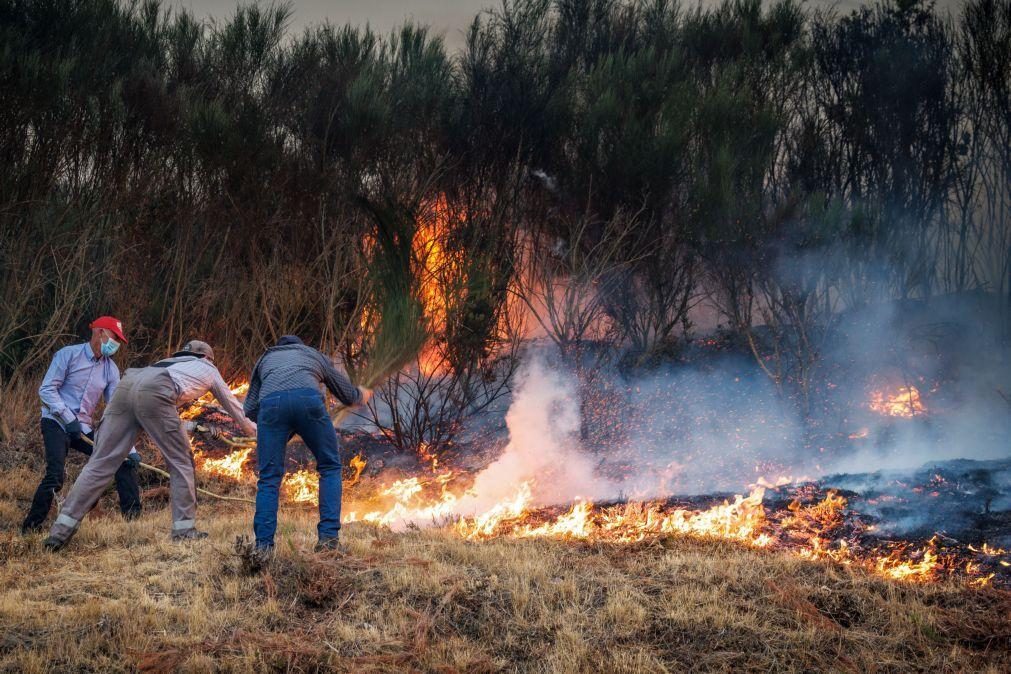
x,y
122,597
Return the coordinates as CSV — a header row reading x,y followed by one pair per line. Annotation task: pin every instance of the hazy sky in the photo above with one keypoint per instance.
x,y
449,17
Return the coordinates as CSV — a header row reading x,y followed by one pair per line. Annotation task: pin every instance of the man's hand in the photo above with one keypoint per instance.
x,y
250,429
366,396
133,458
73,430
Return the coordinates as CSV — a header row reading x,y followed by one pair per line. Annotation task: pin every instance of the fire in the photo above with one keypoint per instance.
x,y
230,466
436,269
358,464
404,490
301,486
741,520
813,531
905,402
988,550
407,502
485,525
903,569
428,456
573,524
196,408
821,529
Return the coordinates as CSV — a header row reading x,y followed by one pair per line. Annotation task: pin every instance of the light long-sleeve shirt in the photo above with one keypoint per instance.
x,y
292,366
193,377
74,383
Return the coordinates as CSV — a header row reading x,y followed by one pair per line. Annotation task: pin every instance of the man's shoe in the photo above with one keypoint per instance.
x,y
28,530
188,535
262,556
329,545
53,544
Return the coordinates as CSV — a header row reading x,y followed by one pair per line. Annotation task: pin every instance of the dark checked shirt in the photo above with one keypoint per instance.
x,y
292,366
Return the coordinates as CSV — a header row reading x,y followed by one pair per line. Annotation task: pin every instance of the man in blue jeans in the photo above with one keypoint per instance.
x,y
285,398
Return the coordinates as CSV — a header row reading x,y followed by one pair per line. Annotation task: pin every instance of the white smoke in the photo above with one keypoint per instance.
x,y
543,448
675,439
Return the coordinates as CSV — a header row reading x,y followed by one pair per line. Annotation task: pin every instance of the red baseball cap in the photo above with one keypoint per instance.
x,y
110,323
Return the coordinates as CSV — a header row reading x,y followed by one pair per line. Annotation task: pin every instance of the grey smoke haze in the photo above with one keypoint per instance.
x,y
447,17
716,422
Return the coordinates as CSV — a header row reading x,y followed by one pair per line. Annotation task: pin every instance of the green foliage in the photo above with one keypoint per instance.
x,y
229,175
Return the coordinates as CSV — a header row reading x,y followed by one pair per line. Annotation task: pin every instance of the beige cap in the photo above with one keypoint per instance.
x,y
203,348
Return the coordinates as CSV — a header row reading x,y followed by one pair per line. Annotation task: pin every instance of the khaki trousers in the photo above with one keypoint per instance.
x,y
144,400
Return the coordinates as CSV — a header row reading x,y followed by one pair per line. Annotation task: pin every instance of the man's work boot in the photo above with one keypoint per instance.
x,y
262,557
188,535
329,545
28,529
52,544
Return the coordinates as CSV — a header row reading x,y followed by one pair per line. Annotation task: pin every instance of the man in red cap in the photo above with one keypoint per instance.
x,y
79,375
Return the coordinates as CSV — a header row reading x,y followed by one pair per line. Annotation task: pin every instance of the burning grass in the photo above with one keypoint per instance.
x,y
812,523
428,600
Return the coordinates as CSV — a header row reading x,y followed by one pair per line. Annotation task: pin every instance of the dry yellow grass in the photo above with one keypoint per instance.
x,y
122,597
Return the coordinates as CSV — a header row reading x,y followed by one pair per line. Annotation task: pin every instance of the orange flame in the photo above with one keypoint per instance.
x,y
358,464
810,531
230,466
436,269
195,408
407,500
905,402
900,569
302,486
740,520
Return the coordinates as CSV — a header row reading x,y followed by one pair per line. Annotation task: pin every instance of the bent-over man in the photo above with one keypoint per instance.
x,y
285,398
147,399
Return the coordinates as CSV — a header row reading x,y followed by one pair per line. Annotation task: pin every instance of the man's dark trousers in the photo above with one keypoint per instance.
x,y
283,413
58,444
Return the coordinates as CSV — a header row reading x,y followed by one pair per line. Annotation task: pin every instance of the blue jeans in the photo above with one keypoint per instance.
x,y
281,415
